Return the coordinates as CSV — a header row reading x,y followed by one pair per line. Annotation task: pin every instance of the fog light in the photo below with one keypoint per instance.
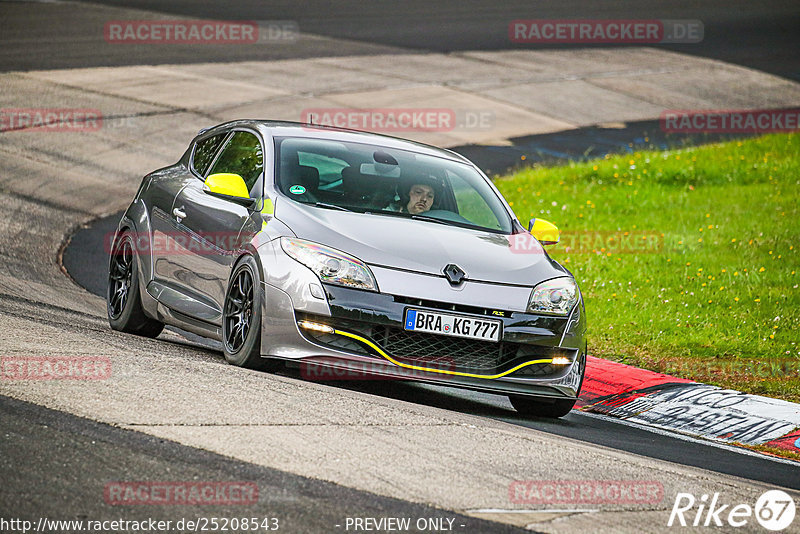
x,y
561,360
318,327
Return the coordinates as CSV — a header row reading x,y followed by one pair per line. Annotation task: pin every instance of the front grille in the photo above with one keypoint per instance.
x,y
539,369
337,342
444,351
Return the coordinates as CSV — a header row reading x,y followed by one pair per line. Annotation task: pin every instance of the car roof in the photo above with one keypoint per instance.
x,y
314,131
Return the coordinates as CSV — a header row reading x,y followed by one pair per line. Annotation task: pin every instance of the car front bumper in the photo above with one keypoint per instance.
x,y
352,334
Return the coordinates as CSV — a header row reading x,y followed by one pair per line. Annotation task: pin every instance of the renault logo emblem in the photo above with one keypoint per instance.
x,y
455,274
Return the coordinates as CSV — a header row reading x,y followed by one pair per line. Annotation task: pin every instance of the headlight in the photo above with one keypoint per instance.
x,y
556,296
331,265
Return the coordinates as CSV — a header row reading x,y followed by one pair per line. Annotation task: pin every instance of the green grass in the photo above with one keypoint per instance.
x,y
715,298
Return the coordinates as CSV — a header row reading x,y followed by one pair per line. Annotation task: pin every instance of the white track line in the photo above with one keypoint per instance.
x,y
505,511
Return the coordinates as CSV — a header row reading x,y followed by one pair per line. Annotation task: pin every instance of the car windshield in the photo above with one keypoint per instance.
x,y
386,181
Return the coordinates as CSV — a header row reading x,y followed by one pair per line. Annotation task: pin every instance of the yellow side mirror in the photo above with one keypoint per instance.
x,y
544,231
228,186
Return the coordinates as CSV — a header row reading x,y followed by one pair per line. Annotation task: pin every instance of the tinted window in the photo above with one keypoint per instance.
x,y
204,152
242,155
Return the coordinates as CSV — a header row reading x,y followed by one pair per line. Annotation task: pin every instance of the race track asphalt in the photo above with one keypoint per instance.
x,y
77,458
761,35
85,260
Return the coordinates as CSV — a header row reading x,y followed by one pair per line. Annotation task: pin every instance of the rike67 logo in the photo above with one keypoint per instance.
x,y
774,510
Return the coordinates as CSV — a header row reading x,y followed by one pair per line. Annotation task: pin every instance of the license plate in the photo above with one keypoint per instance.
x,y
453,325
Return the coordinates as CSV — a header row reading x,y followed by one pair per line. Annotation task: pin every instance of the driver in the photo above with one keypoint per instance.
x,y
420,199
416,196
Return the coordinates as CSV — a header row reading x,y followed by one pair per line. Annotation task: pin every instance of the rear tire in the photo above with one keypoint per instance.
x,y
540,407
123,301
241,318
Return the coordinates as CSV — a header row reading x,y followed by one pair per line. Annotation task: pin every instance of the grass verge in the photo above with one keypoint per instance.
x,y
687,259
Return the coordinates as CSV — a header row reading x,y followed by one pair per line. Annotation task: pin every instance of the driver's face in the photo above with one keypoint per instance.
x,y
421,199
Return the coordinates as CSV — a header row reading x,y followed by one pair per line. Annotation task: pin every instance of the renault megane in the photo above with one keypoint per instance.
x,y
297,243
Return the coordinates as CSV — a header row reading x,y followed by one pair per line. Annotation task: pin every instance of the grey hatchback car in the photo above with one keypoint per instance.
x,y
351,252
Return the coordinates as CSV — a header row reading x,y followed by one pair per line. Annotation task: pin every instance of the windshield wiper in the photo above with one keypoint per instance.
x,y
409,216
387,212
446,222
331,206
434,219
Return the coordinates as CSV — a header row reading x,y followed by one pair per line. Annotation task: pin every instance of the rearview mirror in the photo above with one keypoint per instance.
x,y
228,186
544,231
384,170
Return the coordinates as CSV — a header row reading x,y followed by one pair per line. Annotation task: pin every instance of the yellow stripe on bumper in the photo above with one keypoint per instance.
x,y
441,371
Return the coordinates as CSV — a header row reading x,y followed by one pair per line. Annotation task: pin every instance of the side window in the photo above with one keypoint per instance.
x,y
204,152
471,205
242,155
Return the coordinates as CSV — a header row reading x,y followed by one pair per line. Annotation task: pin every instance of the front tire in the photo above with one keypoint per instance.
x,y
241,320
123,300
540,407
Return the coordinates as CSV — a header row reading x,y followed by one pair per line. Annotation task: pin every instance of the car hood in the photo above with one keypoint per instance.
x,y
422,246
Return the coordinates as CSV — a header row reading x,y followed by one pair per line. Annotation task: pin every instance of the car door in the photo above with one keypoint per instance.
x,y
211,228
162,195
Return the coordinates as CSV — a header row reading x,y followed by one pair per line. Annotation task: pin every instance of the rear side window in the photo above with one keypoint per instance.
x,y
204,153
242,155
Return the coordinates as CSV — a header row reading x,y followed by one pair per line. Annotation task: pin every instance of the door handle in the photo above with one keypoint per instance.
x,y
179,213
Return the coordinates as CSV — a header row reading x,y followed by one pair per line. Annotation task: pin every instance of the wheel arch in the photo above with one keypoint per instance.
x,y
249,250
136,221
